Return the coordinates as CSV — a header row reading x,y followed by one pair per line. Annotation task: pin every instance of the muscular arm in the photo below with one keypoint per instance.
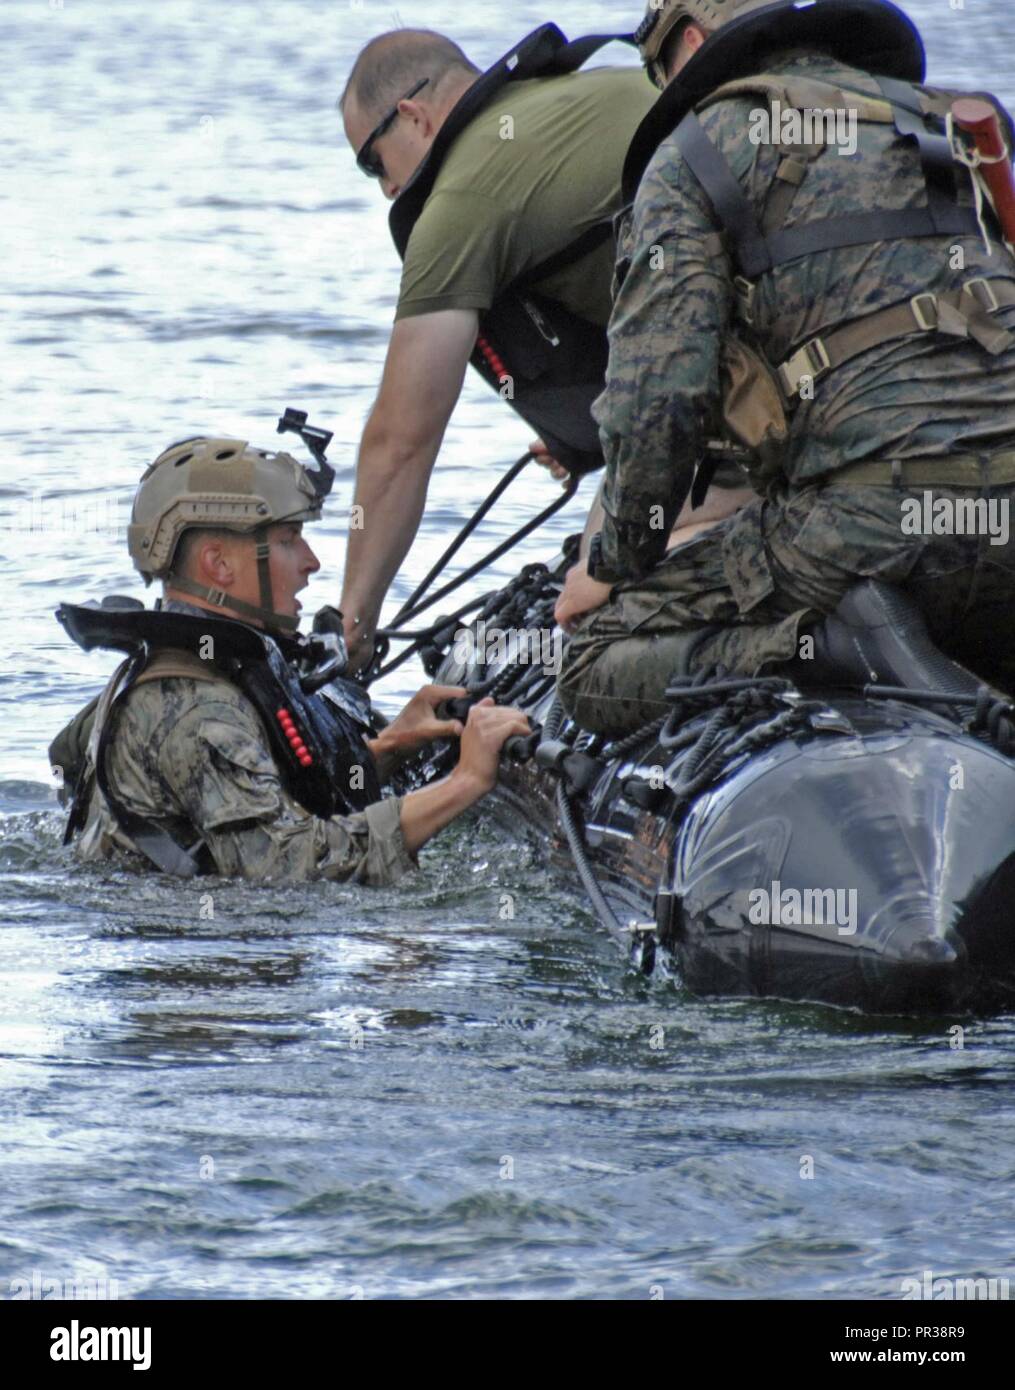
x,y
663,378
423,372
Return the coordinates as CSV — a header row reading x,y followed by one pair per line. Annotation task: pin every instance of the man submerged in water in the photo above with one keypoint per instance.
x,y
206,752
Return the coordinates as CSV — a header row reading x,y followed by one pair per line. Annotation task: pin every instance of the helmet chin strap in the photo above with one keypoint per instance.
x,y
219,598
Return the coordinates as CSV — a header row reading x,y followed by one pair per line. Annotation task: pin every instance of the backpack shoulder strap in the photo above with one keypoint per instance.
x,y
171,662
936,156
732,206
754,252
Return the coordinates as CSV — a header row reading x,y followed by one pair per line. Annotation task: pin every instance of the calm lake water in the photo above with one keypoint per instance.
x,y
229,1091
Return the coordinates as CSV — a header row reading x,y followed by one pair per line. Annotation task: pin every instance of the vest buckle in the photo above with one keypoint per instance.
x,y
926,317
811,360
982,291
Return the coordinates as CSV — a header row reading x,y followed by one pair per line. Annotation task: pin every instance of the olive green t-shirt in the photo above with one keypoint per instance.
x,y
538,166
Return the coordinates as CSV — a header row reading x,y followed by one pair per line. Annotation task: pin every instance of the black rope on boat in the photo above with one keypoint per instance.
x,y
568,813
992,718
747,714
510,694
568,819
417,640
631,742
406,609
520,600
416,604
515,598
554,719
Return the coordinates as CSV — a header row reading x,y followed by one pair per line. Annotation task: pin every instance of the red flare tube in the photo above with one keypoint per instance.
x,y
978,119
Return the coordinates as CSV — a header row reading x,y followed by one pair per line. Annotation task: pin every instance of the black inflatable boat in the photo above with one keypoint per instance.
x,y
849,843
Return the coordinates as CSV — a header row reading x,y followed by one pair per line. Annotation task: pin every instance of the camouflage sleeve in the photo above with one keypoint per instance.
x,y
219,768
670,314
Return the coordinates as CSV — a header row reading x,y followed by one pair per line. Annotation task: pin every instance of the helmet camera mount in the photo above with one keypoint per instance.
x,y
317,441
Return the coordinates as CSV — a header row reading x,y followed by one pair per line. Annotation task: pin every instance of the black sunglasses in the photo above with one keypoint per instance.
x,y
366,159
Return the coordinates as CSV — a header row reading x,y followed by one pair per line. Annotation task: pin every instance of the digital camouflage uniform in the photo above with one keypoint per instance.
x,y
193,754
746,587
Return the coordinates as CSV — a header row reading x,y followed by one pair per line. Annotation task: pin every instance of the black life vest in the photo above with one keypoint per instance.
x,y
329,772
556,359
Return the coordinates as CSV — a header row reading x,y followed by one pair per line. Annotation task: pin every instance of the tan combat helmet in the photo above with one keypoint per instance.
x,y
663,16
874,33
227,485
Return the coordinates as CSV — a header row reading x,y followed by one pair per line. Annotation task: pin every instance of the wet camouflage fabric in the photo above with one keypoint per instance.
x,y
193,753
782,560
741,595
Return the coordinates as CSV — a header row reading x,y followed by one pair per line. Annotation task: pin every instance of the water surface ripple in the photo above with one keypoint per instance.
x,y
453,1088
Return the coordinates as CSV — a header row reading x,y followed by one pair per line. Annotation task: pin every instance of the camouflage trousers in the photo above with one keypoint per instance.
x,y
741,594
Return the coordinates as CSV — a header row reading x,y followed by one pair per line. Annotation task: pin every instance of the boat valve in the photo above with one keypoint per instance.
x,y
522,747
643,793
579,771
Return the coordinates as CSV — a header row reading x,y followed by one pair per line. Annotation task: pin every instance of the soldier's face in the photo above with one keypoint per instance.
x,y
291,562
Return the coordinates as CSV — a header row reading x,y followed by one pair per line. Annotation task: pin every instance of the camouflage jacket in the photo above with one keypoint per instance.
x,y
192,753
927,394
